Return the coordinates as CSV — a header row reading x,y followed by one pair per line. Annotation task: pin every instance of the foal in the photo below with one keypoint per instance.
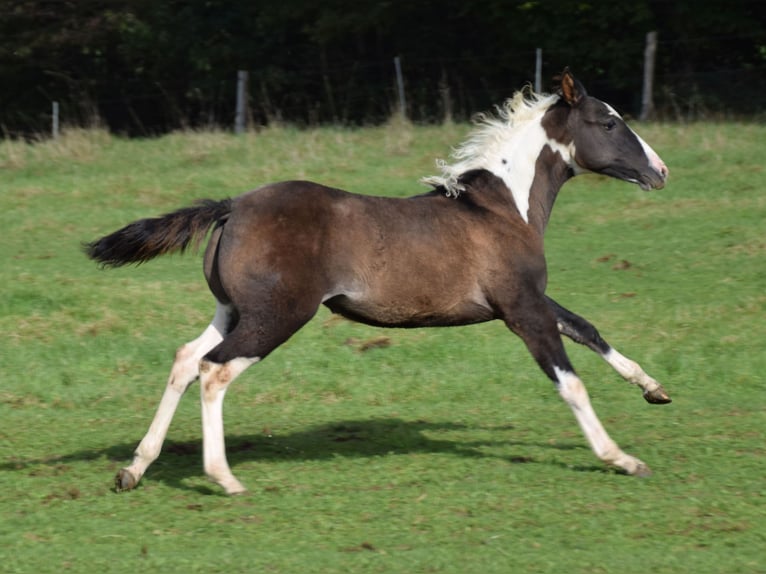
x,y
278,252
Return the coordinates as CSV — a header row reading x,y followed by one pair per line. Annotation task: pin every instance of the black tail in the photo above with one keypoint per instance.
x,y
146,239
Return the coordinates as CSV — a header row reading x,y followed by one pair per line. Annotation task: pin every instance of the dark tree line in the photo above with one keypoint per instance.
x,y
145,66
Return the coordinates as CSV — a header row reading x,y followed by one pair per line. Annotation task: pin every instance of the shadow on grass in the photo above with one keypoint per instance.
x,y
356,438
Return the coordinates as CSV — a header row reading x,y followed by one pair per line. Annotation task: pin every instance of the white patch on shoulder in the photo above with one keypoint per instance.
x,y
507,145
515,159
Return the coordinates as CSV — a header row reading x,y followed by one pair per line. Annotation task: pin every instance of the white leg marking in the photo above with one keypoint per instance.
x,y
184,372
633,373
214,380
630,370
573,392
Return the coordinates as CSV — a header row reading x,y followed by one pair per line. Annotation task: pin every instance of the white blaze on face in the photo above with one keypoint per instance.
x,y
514,162
654,159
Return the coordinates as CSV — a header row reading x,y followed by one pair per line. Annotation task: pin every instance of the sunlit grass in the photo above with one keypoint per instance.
x,y
442,450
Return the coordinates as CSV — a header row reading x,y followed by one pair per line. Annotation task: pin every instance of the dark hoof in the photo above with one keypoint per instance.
x,y
657,397
124,480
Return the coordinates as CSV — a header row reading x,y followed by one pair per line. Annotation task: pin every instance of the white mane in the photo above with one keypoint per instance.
x,y
492,133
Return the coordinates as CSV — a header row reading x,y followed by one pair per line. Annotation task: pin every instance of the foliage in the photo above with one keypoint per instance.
x,y
146,67
445,450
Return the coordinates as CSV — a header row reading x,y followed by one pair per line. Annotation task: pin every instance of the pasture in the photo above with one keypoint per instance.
x,y
370,450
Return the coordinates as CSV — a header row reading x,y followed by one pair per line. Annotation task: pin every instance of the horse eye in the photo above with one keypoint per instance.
x,y
609,125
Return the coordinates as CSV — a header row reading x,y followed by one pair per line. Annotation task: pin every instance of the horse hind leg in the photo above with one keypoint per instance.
x,y
254,337
215,379
581,331
184,372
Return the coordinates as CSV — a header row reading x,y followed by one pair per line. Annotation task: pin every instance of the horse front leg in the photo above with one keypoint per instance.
x,y
573,391
538,330
581,331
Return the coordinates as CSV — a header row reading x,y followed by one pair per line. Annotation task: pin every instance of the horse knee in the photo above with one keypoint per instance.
x,y
216,377
185,369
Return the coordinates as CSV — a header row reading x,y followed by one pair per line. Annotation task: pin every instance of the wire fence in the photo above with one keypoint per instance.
x,y
367,92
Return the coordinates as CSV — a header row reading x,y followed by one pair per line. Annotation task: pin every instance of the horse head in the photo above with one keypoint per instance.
x,y
603,142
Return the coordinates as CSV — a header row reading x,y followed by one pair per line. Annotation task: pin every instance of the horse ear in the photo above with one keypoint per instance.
x,y
571,89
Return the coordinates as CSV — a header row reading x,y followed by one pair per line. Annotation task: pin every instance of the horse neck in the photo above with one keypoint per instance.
x,y
533,167
552,171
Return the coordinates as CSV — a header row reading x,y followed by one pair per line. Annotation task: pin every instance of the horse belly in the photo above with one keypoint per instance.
x,y
421,310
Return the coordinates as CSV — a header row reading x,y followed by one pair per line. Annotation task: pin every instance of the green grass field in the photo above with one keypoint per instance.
x,y
446,450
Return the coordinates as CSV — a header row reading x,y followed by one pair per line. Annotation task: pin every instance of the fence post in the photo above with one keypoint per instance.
x,y
400,87
539,70
240,118
55,122
647,101
446,99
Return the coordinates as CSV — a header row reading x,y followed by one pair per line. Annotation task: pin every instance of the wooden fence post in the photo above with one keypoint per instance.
x,y
446,99
55,122
240,117
539,70
647,101
400,86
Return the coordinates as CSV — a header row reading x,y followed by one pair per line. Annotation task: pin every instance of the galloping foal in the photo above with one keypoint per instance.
x,y
470,250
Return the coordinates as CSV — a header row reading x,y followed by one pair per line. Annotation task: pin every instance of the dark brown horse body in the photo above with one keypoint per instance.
x,y
382,261
469,251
